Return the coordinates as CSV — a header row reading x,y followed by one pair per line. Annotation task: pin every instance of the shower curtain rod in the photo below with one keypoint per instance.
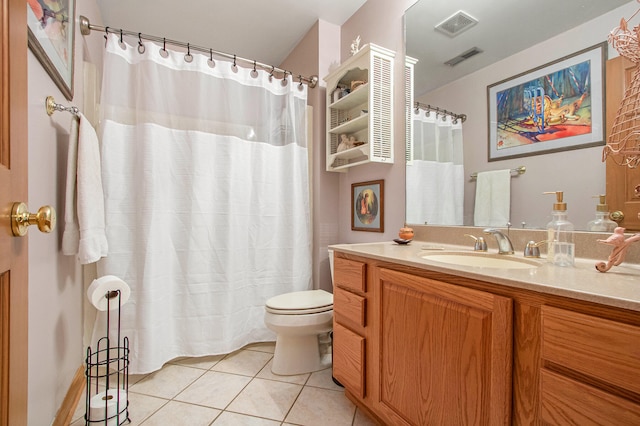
x,y
437,110
86,26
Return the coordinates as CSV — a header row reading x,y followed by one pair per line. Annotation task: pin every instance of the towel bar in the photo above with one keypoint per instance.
x,y
51,106
514,172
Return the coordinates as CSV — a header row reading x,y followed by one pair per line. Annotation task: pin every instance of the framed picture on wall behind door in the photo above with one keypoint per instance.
x,y
367,206
51,27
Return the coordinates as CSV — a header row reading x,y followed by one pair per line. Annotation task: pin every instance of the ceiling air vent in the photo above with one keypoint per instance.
x,y
456,24
463,56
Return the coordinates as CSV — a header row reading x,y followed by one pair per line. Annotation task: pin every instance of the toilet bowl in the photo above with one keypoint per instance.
x,y
298,318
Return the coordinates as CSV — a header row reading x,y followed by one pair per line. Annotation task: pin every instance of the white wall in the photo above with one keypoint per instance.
x,y
56,295
582,171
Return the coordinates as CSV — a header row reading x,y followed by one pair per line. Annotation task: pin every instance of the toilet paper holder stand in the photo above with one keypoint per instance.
x,y
107,372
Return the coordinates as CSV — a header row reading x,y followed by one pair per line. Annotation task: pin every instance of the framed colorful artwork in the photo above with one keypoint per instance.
x,y
51,35
555,107
367,206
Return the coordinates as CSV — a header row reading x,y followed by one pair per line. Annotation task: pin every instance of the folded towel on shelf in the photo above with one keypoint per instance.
x,y
493,198
84,232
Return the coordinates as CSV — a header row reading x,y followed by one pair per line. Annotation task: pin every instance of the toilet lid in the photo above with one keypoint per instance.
x,y
301,302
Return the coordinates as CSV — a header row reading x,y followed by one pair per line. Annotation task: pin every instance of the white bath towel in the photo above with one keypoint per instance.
x,y
493,198
84,232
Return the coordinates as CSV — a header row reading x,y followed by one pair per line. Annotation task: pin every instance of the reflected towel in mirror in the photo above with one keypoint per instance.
x,y
493,198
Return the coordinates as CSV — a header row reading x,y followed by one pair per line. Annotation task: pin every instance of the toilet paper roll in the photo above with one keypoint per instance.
x,y
100,288
104,406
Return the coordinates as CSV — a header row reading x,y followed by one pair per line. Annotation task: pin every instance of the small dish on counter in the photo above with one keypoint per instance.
x,y
401,241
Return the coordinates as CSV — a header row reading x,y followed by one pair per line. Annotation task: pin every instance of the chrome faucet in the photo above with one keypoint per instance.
x,y
504,243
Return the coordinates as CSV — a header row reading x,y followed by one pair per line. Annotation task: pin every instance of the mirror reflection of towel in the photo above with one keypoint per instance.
x,y
493,198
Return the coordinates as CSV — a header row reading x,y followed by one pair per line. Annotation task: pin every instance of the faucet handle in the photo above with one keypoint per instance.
x,y
480,245
532,249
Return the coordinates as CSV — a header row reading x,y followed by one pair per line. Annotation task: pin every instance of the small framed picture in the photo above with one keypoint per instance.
x,y
51,33
367,206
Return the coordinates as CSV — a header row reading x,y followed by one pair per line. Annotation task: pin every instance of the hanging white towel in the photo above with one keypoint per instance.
x,y
84,232
493,198
71,234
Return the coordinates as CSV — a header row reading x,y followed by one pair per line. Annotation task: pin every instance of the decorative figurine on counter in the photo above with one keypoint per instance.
x,y
406,233
620,246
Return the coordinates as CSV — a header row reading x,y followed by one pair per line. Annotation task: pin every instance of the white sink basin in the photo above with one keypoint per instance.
x,y
481,259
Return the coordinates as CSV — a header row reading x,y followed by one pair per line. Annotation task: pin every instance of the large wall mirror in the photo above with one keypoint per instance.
x,y
510,38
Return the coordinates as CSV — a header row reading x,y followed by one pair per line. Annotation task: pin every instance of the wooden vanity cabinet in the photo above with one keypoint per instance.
x,y
419,347
428,353
590,370
349,321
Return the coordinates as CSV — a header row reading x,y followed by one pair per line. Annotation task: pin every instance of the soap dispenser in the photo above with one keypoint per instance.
x,y
560,246
602,223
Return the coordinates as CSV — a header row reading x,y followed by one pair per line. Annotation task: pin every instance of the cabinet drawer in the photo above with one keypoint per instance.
x,y
348,359
350,274
349,307
567,402
603,349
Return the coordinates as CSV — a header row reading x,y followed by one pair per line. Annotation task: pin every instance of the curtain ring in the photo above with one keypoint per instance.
x,y
300,79
254,66
254,72
106,36
211,62
122,45
188,57
234,67
141,47
163,51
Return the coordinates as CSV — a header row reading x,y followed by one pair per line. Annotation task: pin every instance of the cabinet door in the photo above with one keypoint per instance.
x,y
348,359
445,352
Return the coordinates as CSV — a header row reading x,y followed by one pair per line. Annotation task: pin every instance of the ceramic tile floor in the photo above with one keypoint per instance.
x,y
235,389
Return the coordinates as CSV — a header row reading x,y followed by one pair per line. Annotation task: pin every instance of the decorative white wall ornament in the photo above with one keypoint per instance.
x,y
355,46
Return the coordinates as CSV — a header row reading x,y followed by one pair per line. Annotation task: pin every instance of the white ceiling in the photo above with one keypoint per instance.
x,y
505,27
262,30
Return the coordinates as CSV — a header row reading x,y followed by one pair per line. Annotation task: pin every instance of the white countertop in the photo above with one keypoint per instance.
x,y
619,287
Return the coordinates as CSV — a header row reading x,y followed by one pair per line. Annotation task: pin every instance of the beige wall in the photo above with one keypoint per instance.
x,y
313,56
379,22
56,295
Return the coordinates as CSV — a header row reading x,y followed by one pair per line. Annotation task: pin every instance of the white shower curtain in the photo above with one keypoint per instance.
x,y
435,177
206,195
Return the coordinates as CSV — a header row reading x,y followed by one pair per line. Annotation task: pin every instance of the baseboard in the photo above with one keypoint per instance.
x,y
71,399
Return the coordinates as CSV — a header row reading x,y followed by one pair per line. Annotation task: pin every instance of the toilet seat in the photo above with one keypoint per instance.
x,y
300,303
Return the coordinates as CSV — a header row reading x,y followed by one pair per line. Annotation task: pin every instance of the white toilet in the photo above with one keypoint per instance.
x,y
298,318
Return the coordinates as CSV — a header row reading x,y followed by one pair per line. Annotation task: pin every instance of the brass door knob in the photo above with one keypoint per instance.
x,y
45,218
617,216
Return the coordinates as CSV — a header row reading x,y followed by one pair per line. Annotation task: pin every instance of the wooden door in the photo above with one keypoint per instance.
x,y
445,353
623,183
13,188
